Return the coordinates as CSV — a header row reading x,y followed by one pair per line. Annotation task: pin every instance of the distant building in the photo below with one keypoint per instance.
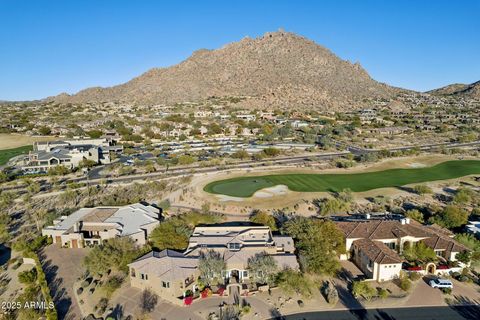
x,y
90,226
247,117
473,227
69,153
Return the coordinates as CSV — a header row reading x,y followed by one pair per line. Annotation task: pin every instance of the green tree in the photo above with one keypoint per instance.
x,y
44,131
113,254
87,163
318,242
472,243
271,152
211,266
262,268
263,218
240,154
186,159
415,215
464,256
3,177
418,252
451,217
95,133
171,234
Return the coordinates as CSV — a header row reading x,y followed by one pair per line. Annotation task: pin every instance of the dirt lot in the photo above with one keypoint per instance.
x,y
9,141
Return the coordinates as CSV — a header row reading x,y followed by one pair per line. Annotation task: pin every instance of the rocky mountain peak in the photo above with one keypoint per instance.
x,y
279,69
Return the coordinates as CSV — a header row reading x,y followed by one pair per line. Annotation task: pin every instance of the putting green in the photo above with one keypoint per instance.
x,y
357,182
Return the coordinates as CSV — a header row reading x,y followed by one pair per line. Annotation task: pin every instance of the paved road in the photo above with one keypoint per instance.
x,y
420,313
95,174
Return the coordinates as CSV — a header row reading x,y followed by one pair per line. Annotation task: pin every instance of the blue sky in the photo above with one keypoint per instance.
x,y
48,47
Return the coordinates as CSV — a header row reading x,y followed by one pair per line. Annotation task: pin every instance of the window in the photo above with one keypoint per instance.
x,y
391,245
234,246
370,264
165,284
132,272
142,276
245,274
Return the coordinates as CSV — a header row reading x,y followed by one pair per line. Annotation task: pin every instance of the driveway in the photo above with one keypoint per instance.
x,y
128,299
424,295
62,268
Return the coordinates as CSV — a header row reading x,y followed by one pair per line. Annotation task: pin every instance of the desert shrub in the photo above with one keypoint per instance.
x,y
405,284
414,276
28,277
295,282
363,289
101,306
446,290
382,293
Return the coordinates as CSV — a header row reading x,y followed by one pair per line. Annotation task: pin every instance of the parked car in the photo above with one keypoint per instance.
x,y
441,283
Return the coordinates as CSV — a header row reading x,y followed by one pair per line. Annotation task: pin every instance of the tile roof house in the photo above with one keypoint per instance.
x,y
170,273
90,226
375,245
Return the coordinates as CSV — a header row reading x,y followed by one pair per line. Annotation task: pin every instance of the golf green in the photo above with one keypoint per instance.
x,y
7,154
357,182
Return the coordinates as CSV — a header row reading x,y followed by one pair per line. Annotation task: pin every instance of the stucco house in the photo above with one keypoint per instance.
x,y
170,274
90,226
375,246
69,153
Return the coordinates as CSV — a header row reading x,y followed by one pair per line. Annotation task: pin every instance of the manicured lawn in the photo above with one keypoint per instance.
x,y
7,154
357,182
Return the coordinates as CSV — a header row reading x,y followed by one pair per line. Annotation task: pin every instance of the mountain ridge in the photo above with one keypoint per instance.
x,y
471,90
279,69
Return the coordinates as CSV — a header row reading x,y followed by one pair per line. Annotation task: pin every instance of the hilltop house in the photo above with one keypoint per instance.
x,y
170,274
90,226
375,246
69,153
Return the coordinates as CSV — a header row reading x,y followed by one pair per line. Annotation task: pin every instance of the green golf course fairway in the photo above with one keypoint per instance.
x,y
7,154
358,182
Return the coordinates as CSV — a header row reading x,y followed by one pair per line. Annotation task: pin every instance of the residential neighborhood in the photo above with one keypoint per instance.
x,y
249,160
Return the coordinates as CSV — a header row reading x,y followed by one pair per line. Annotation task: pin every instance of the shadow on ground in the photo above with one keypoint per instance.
x,y
57,290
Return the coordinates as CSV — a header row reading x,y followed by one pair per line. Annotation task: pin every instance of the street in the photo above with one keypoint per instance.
x,y
417,313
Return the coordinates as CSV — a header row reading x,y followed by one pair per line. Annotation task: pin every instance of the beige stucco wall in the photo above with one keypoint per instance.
x,y
386,272
155,284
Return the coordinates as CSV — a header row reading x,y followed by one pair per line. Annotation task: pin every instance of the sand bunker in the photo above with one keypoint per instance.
x,y
272,191
223,198
417,165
